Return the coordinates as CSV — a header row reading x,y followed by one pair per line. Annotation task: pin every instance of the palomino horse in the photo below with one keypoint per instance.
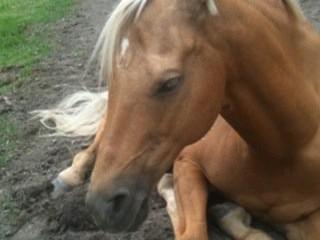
x,y
176,68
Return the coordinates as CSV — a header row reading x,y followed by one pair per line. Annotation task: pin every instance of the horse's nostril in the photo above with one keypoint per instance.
x,y
119,201
122,210
106,208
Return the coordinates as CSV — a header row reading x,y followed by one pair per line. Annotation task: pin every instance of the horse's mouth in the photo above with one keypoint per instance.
x,y
140,217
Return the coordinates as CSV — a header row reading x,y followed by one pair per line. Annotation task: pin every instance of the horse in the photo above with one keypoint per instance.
x,y
227,91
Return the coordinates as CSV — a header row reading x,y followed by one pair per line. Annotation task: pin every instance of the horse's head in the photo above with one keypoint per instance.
x,y
166,91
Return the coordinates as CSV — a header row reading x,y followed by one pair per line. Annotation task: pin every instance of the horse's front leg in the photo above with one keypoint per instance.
x,y
83,162
186,201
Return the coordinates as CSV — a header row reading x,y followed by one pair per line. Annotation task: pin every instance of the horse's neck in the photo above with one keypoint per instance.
x,y
272,88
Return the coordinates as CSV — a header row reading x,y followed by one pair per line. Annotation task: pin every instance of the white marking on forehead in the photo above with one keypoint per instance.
x,y
124,46
212,7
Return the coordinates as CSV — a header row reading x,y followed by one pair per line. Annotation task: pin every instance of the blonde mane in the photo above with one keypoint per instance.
x,y
109,40
81,113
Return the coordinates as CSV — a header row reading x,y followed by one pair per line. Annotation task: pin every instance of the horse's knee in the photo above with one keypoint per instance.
x,y
75,174
186,164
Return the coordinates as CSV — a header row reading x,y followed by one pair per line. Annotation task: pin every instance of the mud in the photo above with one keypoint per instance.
x,y
25,181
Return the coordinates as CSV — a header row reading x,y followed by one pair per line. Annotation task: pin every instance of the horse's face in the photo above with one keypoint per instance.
x,y
166,93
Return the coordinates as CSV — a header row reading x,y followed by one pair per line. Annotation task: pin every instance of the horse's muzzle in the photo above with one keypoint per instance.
x,y
121,211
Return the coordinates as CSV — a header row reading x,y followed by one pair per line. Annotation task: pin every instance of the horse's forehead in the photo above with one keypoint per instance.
x,y
157,38
154,51
134,62
162,33
161,13
166,6
145,65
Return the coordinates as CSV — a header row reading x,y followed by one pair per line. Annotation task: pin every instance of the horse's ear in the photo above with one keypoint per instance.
x,y
199,7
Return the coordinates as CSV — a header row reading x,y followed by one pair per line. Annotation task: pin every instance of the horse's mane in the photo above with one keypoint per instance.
x,y
80,114
108,43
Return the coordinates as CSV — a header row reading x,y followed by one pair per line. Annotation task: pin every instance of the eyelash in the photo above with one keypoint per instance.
x,y
168,86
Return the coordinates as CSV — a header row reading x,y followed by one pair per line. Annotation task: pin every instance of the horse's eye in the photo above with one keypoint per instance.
x,y
168,86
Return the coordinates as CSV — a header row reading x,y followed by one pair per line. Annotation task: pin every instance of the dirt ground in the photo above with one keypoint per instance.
x,y
38,159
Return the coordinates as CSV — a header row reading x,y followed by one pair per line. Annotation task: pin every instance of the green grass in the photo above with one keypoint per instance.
x,y
8,214
8,139
24,28
24,31
9,208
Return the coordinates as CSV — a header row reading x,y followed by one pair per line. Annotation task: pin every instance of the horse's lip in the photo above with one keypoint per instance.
x,y
140,216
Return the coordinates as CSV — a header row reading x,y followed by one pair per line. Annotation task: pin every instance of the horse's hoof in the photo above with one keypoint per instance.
x,y
165,183
59,188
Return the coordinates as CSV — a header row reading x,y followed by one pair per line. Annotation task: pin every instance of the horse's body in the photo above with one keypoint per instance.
x,y
256,63
265,153
281,192
285,194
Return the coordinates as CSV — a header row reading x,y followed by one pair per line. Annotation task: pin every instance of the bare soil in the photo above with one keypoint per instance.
x,y
37,160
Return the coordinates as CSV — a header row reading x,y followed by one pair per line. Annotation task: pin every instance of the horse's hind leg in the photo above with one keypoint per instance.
x,y
187,201
235,221
82,163
306,229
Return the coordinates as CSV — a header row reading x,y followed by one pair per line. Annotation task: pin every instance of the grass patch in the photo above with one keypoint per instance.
x,y
8,139
23,30
23,41
8,213
9,208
